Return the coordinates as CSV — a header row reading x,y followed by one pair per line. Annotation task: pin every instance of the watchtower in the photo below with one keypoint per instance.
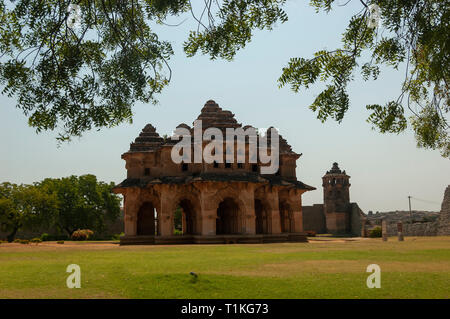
x,y
336,199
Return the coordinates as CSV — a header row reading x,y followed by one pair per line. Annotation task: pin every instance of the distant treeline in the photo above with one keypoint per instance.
x,y
63,204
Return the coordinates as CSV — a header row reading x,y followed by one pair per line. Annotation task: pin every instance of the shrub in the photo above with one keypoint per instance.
x,y
21,241
117,236
310,233
36,240
60,242
375,232
44,237
82,234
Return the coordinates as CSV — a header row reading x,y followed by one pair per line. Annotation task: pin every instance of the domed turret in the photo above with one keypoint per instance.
x,y
148,140
336,199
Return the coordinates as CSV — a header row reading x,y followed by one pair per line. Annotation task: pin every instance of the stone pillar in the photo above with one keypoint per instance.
x,y
400,231
274,223
208,224
384,230
208,210
297,213
166,211
363,227
247,197
131,208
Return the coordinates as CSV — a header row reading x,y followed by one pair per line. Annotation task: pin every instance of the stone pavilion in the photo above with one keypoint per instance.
x,y
219,202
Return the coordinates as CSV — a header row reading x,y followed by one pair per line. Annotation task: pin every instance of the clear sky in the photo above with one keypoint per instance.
x,y
384,169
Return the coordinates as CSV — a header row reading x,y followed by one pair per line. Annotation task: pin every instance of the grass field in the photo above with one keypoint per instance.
x,y
415,268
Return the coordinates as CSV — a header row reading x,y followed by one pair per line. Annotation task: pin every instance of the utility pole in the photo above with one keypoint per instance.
x,y
410,213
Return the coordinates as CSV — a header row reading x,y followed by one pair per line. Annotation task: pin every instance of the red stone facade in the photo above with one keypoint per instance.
x,y
220,202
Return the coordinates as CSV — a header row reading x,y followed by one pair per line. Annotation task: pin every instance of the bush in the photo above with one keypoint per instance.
x,y
21,241
375,232
36,240
44,237
82,234
310,233
60,242
117,236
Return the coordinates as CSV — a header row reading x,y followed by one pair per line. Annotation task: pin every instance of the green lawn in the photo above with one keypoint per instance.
x,y
415,268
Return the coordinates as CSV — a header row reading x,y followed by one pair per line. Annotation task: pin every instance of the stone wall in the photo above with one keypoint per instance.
x,y
414,229
314,218
355,219
438,227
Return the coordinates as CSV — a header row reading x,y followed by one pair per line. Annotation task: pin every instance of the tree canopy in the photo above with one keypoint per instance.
x,y
63,204
74,66
83,202
24,207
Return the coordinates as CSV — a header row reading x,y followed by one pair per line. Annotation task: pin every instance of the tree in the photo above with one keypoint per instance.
x,y
415,32
84,66
24,207
90,76
83,202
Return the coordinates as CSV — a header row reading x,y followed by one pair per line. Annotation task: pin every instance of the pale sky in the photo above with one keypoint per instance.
x,y
384,169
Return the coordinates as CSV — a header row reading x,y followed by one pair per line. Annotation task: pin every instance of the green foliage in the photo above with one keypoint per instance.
x,y
375,232
83,202
75,79
24,207
88,75
117,236
415,32
237,20
178,221
64,204
61,242
36,240
21,241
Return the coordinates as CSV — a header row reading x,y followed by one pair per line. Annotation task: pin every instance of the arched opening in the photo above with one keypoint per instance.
x,y
228,221
285,218
262,218
147,221
185,218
